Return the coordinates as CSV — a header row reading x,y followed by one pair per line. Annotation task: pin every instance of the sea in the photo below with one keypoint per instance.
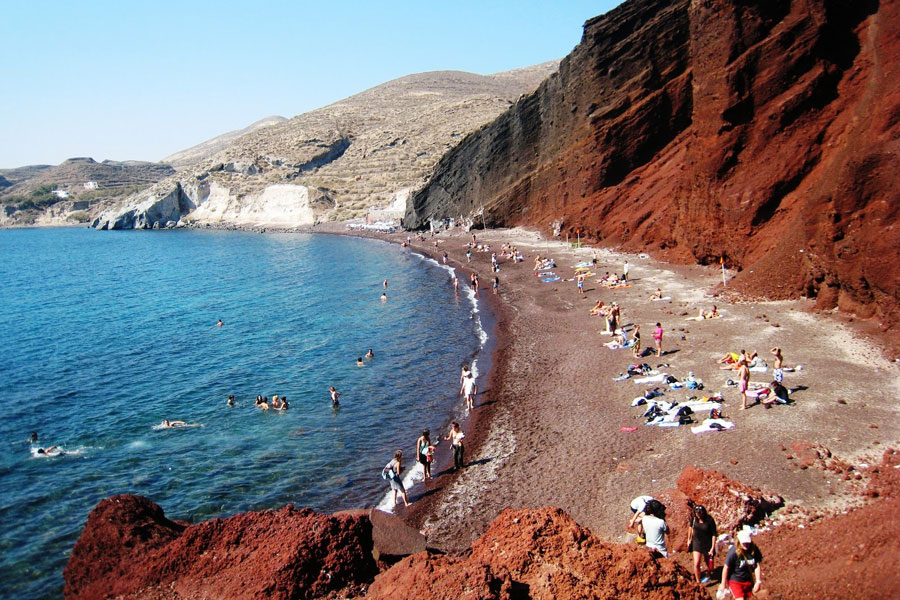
x,y
103,335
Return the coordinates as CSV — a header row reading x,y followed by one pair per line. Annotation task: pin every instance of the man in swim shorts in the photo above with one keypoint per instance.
x,y
778,367
743,381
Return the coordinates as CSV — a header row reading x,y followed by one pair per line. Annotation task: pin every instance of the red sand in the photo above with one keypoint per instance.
x,y
549,428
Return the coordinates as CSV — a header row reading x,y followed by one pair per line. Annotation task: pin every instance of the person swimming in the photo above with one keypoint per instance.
x,y
370,354
359,362
219,323
231,400
50,451
167,423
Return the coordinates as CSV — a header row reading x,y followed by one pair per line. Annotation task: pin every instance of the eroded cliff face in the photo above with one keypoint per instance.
x,y
760,132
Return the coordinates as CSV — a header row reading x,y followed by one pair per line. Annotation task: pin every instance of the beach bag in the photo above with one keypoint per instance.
x,y
387,472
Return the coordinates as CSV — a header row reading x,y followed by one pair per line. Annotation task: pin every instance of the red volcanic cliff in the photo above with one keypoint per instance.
x,y
761,132
130,550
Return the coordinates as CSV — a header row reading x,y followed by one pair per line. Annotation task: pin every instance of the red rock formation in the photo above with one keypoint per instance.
x,y
732,504
758,131
539,554
129,549
849,555
678,513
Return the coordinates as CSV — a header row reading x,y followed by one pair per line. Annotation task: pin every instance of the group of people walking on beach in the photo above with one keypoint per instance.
x,y
741,572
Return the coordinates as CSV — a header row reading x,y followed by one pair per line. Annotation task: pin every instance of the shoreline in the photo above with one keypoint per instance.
x,y
537,415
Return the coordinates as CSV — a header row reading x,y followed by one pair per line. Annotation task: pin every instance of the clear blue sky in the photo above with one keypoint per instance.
x,y
142,79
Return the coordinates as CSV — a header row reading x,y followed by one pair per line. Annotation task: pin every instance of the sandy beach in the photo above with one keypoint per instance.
x,y
553,428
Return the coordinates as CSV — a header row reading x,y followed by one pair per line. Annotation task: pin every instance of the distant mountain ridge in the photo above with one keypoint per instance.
x,y
360,155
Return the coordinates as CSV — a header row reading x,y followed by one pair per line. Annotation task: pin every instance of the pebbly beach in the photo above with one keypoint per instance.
x,y
552,426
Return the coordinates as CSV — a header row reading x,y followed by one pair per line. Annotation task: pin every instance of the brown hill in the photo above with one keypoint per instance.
x,y
86,185
757,132
355,156
195,154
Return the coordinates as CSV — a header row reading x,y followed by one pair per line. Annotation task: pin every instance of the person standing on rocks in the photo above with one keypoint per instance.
x,y
702,534
625,271
742,572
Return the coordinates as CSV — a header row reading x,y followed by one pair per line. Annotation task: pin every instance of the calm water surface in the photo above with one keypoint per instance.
x,y
105,334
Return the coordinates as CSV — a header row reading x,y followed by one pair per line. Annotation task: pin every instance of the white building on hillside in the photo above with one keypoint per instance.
x,y
90,185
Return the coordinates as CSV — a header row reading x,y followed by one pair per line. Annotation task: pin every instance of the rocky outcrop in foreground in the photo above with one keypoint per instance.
x,y
761,132
129,549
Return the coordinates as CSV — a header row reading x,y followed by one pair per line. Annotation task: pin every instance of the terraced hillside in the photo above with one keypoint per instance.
x,y
71,191
359,155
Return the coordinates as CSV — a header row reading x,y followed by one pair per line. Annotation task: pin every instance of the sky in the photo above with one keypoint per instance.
x,y
143,79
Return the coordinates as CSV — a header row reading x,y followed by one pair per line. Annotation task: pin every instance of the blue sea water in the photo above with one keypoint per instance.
x,y
105,334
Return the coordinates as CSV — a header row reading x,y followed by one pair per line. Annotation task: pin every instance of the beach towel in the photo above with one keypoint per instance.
x,y
651,378
758,366
713,425
550,279
583,265
661,299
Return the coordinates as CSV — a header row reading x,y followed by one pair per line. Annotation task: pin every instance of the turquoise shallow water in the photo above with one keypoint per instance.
x,y
104,334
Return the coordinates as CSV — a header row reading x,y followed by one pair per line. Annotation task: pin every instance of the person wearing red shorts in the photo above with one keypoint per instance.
x,y
742,572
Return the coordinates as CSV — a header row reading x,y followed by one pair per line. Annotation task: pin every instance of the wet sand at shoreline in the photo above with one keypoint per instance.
x,y
547,428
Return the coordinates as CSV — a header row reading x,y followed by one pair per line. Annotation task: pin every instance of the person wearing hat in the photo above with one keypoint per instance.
x,y
742,572
702,534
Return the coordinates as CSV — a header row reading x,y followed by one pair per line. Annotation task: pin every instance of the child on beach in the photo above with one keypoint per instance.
x,y
468,391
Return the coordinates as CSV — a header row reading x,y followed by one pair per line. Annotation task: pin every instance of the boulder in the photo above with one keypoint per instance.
x,y
129,549
538,554
732,504
392,538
